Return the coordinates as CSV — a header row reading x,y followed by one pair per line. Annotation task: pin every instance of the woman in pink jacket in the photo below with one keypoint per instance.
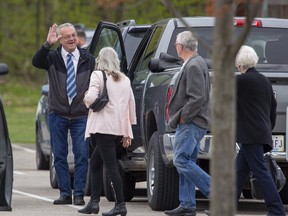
x,y
108,128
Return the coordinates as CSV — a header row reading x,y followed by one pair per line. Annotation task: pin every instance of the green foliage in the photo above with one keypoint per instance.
x,y
20,103
24,23
24,26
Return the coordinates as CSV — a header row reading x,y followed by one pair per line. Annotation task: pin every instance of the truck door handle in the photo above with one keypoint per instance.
x,y
138,88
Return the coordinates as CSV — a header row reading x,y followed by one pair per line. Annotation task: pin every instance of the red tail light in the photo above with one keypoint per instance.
x,y
241,22
168,98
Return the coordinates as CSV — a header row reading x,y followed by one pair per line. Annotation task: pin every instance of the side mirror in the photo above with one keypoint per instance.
x,y
3,68
45,89
164,62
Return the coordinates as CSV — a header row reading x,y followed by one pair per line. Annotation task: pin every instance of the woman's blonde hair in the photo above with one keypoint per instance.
x,y
108,61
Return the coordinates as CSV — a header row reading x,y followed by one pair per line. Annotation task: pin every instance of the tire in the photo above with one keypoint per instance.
x,y
128,186
42,163
162,182
52,172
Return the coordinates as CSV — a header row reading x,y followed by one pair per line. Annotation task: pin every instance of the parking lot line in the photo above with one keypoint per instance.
x,y
41,198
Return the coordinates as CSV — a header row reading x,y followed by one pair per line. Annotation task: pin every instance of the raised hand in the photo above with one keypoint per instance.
x,y
52,37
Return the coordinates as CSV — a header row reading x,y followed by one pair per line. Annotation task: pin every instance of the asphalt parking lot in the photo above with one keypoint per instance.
x,y
33,196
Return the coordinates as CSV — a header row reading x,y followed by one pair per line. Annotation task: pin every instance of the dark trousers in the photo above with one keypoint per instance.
x,y
105,152
250,158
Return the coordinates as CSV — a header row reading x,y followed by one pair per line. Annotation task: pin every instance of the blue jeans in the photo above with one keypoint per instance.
x,y
185,151
59,127
250,157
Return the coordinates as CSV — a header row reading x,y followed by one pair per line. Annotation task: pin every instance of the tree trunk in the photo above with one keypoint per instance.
x,y
222,168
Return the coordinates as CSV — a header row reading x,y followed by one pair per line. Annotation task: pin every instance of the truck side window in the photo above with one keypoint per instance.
x,y
150,50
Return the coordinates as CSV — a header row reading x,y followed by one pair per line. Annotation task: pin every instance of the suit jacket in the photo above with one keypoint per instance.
x,y
119,114
256,109
190,96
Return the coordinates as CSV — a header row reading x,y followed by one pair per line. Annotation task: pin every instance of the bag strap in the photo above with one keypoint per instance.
x,y
104,78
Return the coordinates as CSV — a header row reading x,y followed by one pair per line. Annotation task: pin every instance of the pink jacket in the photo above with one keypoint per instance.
x,y
119,114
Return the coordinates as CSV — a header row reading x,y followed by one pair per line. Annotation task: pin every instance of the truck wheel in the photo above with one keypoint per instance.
x,y
41,162
128,186
162,182
52,172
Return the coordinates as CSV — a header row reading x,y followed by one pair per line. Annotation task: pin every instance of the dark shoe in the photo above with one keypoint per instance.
x,y
181,211
63,200
207,212
119,209
91,208
78,200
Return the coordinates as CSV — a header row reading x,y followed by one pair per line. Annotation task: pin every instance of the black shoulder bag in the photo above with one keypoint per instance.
x,y
103,99
276,173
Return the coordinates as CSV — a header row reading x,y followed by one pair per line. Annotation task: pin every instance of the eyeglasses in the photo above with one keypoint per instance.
x,y
175,45
67,37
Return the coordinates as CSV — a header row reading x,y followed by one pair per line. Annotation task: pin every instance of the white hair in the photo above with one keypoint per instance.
x,y
188,39
64,25
246,57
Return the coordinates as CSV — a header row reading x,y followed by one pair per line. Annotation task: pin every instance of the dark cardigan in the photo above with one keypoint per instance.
x,y
256,109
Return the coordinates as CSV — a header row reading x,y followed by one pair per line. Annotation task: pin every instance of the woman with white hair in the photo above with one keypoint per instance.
x,y
109,128
256,116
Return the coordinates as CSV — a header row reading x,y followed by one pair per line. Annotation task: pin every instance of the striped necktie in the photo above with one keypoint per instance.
x,y
71,79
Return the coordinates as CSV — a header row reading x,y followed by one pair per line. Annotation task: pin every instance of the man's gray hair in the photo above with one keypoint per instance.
x,y
64,25
188,39
246,57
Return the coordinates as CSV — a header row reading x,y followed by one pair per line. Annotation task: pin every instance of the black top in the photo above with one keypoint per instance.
x,y
52,61
256,109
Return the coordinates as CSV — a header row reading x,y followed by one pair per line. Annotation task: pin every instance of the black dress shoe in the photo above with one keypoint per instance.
x,y
62,200
78,200
181,211
91,208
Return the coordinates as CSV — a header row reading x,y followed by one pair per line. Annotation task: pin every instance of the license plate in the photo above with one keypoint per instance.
x,y
278,143
206,145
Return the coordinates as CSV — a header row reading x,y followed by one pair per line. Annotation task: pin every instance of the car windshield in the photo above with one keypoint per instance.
x,y
270,44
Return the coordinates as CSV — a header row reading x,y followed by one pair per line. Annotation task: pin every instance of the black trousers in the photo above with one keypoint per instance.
x,y
250,158
105,152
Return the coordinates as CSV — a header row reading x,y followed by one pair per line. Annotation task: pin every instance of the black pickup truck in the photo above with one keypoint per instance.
x,y
152,72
